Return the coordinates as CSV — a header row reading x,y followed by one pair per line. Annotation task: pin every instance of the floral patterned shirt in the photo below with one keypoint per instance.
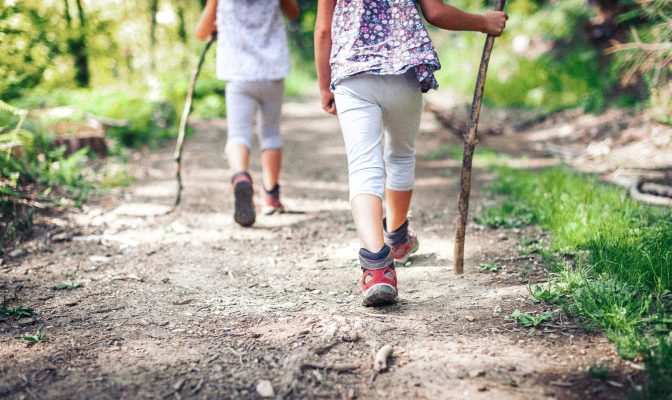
x,y
385,37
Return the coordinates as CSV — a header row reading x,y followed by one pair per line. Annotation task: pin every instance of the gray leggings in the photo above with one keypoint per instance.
x,y
366,105
243,99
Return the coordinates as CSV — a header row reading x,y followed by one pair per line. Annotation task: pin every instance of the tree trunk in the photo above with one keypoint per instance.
x,y
153,9
77,44
182,32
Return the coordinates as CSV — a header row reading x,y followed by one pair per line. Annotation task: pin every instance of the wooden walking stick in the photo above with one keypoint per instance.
x,y
469,145
185,115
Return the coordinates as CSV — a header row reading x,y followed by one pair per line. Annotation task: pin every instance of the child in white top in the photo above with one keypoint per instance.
x,y
253,57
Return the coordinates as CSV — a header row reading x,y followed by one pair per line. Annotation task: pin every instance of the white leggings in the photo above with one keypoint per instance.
x,y
366,104
243,98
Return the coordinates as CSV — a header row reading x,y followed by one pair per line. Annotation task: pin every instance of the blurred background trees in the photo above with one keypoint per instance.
x,y
128,62
555,54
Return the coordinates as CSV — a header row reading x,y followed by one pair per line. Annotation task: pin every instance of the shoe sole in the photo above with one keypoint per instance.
x,y
272,211
380,295
243,212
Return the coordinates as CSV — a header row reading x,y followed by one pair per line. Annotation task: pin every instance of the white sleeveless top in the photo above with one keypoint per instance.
x,y
251,41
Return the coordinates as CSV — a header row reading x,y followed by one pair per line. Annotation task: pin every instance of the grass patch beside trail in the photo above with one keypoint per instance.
x,y
611,257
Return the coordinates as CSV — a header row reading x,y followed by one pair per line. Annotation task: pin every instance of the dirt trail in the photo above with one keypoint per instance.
x,y
190,305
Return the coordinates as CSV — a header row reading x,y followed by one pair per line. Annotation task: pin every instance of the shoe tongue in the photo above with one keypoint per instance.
x,y
379,260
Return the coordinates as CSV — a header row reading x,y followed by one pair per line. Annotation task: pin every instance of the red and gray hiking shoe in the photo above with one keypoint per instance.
x,y
273,205
379,281
243,194
403,242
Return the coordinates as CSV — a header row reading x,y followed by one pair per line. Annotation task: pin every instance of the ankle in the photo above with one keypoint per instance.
x,y
274,192
397,236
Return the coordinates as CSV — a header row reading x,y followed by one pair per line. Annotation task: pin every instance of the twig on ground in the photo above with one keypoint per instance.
x,y
380,361
179,145
337,367
377,315
240,356
514,258
198,387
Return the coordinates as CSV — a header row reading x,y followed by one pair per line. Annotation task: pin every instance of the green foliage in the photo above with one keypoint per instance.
x,y
27,45
146,121
31,340
599,371
509,214
67,286
621,278
529,320
489,267
649,53
15,312
544,60
34,174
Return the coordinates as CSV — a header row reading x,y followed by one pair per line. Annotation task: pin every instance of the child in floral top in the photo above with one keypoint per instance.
x,y
374,59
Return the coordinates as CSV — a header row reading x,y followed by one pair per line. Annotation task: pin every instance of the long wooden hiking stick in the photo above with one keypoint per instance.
x,y
179,145
469,145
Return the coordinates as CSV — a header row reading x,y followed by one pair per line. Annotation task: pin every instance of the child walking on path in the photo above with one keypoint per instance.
x,y
374,60
253,57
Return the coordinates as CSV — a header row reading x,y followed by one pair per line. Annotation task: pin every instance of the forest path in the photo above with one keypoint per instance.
x,y
190,305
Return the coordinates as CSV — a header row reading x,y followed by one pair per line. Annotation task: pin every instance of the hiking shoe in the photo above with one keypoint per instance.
x,y
403,243
379,280
273,204
243,194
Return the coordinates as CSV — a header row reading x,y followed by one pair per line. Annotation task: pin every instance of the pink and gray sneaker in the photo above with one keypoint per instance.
x,y
379,279
243,195
403,242
273,204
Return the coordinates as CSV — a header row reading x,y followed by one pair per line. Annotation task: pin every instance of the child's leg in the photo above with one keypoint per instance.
x,y
271,162
270,95
367,211
270,108
240,106
401,118
361,123
398,204
360,115
240,110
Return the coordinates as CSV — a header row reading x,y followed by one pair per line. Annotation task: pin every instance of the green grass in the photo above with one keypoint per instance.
x,y
488,267
31,340
15,312
529,320
67,286
611,257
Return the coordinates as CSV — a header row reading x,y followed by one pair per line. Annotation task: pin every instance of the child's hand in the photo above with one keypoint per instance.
x,y
328,103
494,22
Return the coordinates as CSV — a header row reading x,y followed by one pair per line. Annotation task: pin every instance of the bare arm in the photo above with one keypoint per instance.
x,y
325,13
448,17
206,25
290,8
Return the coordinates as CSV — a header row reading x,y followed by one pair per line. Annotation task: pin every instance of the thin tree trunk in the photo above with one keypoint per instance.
x,y
182,31
153,9
77,44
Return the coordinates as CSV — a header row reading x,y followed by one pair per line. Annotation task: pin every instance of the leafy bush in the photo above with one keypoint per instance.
x,y
33,175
